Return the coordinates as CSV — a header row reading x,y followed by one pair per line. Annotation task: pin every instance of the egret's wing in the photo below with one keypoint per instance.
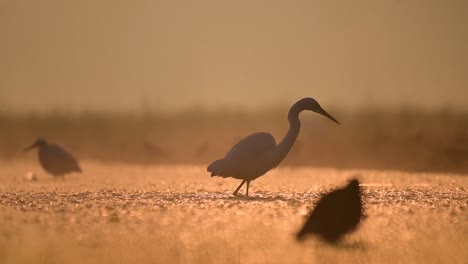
x,y
64,161
250,156
252,146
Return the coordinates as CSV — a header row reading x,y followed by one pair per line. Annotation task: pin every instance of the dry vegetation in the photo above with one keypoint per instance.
x,y
405,139
115,213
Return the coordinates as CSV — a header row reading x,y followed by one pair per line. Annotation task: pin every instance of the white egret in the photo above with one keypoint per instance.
x,y
336,213
54,159
258,153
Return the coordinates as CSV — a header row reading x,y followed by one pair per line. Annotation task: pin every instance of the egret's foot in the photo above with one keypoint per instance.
x,y
238,188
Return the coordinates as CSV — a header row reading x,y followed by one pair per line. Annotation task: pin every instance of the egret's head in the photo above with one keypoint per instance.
x,y
40,142
312,105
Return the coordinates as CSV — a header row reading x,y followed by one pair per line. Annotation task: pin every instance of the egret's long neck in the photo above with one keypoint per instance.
x,y
286,144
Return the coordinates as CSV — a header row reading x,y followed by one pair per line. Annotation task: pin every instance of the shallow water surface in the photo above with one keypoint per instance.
x,y
179,214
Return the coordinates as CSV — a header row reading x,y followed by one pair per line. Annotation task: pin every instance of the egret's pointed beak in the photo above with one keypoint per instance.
x,y
30,147
323,112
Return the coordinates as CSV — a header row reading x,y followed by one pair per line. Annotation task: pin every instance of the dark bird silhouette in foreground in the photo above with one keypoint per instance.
x,y
54,159
258,153
336,214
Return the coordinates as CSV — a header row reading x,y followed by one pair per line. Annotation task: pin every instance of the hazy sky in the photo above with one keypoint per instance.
x,y
119,55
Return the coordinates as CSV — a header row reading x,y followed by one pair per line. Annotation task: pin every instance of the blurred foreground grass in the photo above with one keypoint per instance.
x,y
405,139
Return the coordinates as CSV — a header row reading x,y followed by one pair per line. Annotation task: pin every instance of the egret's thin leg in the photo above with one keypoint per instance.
x,y
248,184
238,188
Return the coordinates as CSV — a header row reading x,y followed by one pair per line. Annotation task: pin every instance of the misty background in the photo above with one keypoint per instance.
x,y
113,55
181,82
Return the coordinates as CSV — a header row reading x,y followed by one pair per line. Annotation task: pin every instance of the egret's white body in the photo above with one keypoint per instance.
x,y
258,153
54,159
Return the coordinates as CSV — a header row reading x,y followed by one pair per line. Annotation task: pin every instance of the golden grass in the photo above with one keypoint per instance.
x,y
117,213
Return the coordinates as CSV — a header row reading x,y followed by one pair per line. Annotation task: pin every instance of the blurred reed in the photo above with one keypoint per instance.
x,y
403,139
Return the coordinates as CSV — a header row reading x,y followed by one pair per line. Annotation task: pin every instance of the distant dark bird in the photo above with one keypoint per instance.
x,y
336,213
258,153
54,159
